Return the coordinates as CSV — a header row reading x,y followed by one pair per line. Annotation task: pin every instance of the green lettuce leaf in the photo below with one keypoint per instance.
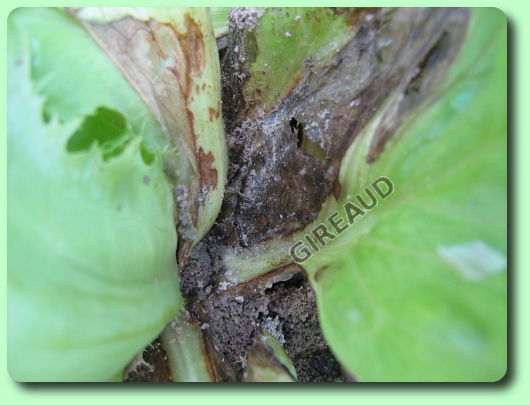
x,y
92,274
415,290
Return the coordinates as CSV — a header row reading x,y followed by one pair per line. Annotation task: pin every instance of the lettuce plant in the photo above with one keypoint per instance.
x,y
244,133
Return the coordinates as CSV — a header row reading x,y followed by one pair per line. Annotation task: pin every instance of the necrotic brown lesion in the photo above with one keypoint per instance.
x,y
424,78
285,165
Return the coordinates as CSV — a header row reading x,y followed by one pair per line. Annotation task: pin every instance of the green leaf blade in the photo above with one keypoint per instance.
x,y
418,291
92,274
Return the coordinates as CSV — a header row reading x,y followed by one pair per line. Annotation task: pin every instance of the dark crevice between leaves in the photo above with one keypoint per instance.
x,y
152,367
305,143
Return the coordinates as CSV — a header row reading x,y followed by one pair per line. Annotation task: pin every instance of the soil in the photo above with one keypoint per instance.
x,y
293,303
281,303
